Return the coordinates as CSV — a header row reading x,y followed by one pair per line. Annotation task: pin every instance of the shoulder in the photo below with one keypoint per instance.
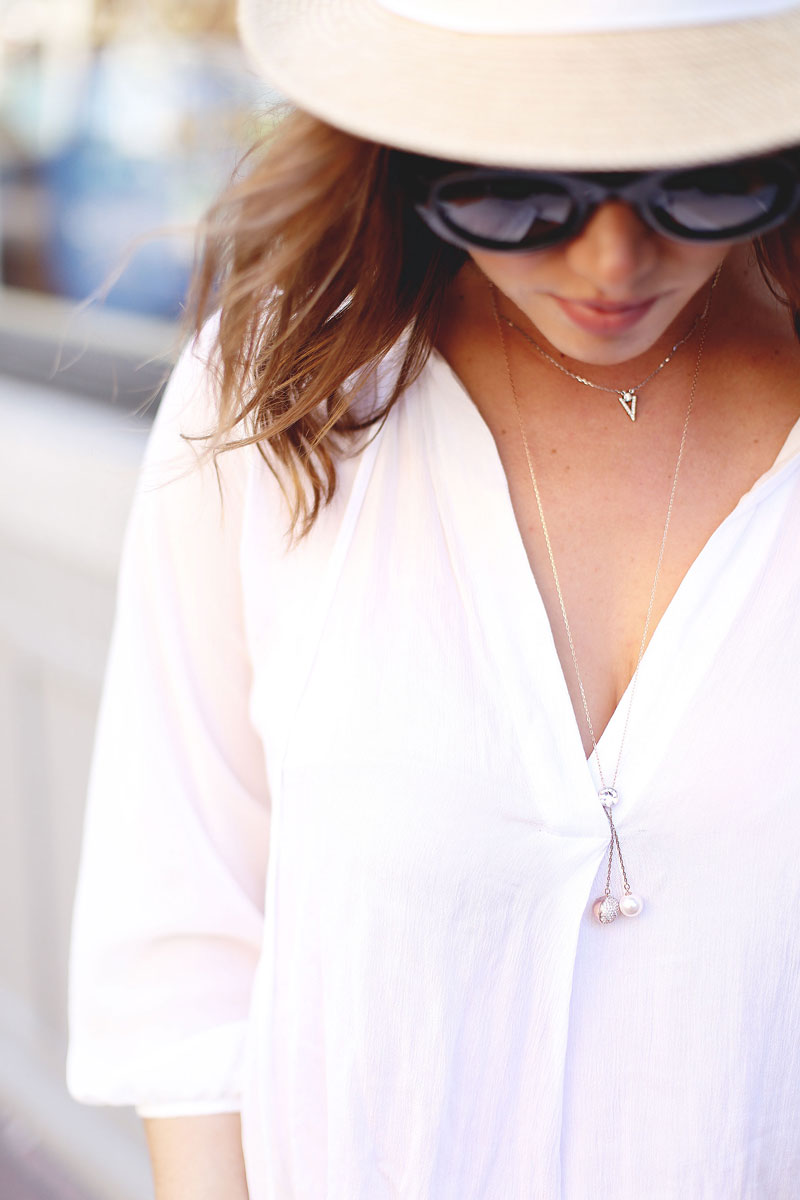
x,y
184,482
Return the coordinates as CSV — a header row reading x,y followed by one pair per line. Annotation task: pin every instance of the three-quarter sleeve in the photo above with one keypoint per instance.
x,y
169,907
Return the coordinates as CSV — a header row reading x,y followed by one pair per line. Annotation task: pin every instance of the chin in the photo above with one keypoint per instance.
x,y
605,352
607,339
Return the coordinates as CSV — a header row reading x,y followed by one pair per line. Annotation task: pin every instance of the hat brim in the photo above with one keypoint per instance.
x,y
612,100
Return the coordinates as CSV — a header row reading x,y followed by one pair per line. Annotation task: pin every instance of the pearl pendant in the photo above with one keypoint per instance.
x,y
606,909
630,905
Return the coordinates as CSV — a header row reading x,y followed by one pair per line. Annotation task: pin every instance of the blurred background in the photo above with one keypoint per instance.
x,y
118,119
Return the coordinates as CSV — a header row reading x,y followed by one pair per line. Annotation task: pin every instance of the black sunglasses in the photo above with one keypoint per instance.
x,y
514,210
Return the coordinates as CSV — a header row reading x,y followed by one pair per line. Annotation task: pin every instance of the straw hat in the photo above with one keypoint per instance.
x,y
550,83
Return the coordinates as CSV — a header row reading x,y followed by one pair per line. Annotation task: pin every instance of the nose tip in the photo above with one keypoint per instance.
x,y
614,248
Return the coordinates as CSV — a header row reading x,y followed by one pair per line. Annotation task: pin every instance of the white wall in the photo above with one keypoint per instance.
x,y
67,470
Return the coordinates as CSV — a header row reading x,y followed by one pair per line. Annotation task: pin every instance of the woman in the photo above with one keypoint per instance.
x,y
452,841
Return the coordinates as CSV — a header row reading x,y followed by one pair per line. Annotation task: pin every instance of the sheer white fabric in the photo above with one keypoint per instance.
x,y
342,841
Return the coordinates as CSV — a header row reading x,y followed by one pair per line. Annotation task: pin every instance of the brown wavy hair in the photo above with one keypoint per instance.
x,y
317,264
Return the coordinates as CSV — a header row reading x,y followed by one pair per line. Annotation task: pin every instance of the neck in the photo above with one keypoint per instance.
x,y
747,326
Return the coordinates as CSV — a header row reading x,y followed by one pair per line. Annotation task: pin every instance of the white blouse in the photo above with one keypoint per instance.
x,y
342,840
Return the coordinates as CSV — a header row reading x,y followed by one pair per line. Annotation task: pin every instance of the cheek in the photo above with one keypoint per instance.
x,y
516,274
685,265
694,261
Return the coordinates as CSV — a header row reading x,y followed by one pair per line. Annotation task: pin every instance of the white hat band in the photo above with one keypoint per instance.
x,y
579,16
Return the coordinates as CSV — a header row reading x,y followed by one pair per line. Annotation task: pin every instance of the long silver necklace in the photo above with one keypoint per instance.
x,y
627,397
608,906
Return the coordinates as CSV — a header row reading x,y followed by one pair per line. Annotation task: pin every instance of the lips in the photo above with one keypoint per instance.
x,y
605,316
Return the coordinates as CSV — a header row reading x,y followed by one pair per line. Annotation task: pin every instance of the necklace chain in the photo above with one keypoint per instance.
x,y
626,396
608,794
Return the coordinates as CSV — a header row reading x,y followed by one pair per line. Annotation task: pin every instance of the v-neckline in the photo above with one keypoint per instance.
x,y
499,572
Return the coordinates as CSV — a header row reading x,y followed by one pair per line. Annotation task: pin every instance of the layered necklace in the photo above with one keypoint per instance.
x,y
627,397
607,908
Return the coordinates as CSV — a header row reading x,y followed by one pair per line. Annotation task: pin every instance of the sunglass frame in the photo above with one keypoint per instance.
x,y
588,190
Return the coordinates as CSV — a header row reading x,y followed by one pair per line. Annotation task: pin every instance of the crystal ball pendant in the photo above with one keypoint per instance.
x,y
606,909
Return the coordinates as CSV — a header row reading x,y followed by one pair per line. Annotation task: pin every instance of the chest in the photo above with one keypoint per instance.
x,y
408,646
623,512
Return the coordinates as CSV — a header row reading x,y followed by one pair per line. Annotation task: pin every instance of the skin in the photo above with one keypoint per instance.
x,y
616,259
197,1158
605,482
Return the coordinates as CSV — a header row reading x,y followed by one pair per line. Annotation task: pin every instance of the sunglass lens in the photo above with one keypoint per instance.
x,y
724,202
505,212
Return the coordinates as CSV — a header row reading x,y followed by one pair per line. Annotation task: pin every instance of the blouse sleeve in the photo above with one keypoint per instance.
x,y
168,913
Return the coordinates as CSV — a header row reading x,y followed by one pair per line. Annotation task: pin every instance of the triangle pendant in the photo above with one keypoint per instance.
x,y
628,402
